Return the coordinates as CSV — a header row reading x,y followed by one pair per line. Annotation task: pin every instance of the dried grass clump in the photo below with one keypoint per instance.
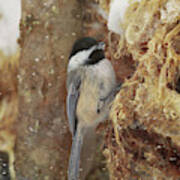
x,y
144,139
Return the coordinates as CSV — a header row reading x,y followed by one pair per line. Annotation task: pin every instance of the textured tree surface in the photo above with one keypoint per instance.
x,y
48,29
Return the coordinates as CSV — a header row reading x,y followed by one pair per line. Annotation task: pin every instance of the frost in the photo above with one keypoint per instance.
x,y
73,34
33,74
36,59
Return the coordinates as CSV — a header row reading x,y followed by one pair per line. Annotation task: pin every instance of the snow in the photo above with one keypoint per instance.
x,y
10,13
171,11
116,14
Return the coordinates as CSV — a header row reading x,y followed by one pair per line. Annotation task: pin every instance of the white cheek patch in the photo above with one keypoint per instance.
x,y
80,58
77,60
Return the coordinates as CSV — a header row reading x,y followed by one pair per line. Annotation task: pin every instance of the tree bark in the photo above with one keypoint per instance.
x,y
48,29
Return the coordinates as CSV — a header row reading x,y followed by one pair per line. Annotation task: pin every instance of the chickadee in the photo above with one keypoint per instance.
x,y
90,84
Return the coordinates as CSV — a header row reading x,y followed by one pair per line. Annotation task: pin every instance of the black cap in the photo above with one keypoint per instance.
x,y
82,44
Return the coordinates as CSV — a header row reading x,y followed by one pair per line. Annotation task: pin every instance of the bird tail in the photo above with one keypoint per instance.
x,y
74,161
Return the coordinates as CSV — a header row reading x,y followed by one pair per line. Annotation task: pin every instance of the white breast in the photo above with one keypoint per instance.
x,y
90,92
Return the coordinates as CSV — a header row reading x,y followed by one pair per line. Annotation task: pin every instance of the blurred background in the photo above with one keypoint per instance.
x,y
10,14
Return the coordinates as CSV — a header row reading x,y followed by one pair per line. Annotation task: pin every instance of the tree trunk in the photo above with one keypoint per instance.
x,y
48,29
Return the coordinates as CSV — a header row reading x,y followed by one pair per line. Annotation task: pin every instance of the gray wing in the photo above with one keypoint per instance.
x,y
72,99
105,100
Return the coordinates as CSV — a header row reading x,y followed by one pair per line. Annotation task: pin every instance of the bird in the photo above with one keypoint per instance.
x,y
91,87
